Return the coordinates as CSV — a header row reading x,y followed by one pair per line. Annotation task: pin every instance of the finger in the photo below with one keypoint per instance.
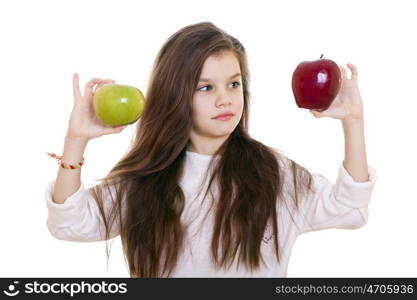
x,y
76,86
88,90
101,83
343,72
354,71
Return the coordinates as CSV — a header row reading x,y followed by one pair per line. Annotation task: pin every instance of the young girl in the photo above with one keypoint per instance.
x,y
256,201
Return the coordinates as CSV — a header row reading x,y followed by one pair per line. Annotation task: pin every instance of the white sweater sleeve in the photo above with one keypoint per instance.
x,y
341,205
78,218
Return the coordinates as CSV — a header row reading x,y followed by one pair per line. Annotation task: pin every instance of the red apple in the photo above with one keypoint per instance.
x,y
316,83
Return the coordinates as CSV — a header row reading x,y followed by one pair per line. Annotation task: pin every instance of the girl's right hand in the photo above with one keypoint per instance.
x,y
83,123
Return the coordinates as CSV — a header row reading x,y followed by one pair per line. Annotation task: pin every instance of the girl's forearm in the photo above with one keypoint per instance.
x,y
355,161
69,181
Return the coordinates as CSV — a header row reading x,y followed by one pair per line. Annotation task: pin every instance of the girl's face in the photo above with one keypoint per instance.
x,y
218,91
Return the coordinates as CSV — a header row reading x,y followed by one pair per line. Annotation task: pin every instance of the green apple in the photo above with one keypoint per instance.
x,y
118,105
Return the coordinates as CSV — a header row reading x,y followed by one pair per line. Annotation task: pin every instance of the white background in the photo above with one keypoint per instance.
x,y
44,42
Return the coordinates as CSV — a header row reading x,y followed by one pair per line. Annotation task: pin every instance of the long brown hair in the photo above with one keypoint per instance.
x,y
148,199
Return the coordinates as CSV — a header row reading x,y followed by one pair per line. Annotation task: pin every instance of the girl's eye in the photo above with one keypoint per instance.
x,y
209,86
206,86
238,83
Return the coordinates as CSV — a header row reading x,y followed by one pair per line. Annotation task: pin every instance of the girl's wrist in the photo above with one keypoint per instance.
x,y
353,120
76,139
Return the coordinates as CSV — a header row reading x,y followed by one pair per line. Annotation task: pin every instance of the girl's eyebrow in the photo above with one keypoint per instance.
x,y
208,80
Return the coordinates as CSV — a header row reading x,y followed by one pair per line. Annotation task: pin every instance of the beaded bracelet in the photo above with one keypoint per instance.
x,y
65,166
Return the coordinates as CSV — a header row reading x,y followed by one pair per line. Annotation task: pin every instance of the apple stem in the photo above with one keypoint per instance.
x,y
321,56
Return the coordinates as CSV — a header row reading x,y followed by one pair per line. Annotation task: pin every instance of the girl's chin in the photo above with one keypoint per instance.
x,y
222,132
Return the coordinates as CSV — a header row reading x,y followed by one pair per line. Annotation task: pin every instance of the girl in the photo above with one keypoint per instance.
x,y
256,200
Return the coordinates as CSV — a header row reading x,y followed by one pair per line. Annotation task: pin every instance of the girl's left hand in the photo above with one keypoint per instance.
x,y
348,102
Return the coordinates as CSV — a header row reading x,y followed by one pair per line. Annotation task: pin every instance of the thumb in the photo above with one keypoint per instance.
x,y
115,129
316,114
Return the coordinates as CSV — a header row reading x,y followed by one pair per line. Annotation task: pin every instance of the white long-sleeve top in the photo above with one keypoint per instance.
x,y
340,205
